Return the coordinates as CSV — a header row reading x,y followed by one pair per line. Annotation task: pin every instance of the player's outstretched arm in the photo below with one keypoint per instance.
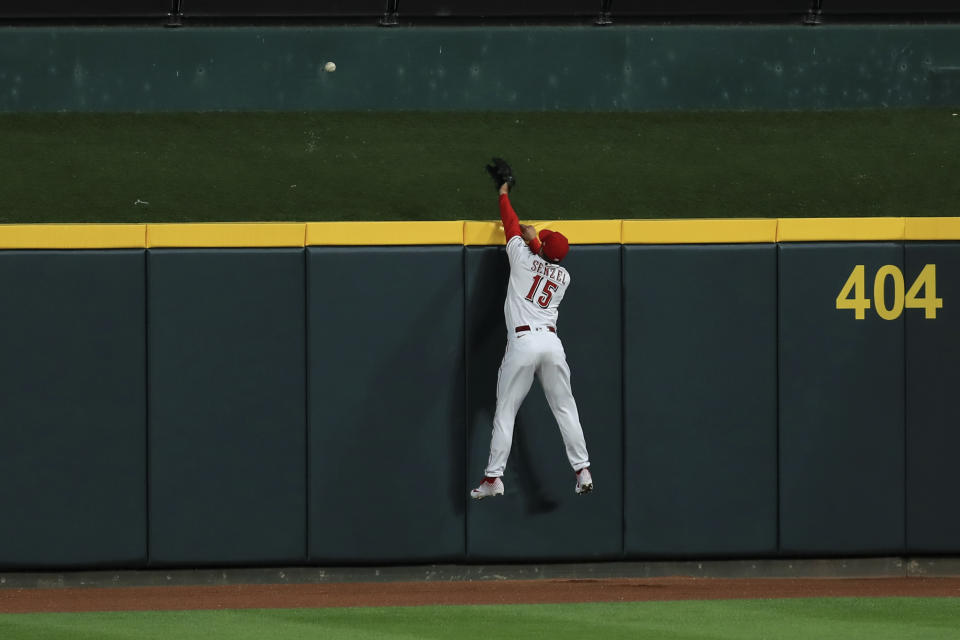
x,y
502,175
511,224
529,234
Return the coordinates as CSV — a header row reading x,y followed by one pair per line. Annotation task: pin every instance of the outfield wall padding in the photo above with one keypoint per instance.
x,y
333,404
933,413
386,430
227,406
540,516
841,405
72,409
700,357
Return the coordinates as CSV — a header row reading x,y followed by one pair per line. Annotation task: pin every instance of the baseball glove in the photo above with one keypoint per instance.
x,y
501,173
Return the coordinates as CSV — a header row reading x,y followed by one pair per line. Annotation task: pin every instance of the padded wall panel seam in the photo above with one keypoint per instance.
x,y
306,406
905,442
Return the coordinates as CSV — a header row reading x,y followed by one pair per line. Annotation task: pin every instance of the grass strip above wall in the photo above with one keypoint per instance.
x,y
237,167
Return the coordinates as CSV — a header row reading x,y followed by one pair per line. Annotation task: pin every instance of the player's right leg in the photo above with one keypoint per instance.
x,y
555,377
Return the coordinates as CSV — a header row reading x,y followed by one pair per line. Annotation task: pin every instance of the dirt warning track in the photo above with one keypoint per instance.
x,y
366,594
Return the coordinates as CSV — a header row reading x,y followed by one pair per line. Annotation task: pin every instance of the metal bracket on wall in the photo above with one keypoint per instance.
x,y
604,18
175,15
391,16
814,15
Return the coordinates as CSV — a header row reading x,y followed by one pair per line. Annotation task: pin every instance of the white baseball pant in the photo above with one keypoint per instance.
x,y
537,352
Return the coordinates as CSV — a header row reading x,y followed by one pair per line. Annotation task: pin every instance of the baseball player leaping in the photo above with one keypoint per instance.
x,y
536,288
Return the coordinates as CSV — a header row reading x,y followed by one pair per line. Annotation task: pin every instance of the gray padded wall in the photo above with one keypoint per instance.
x,y
700,400
540,517
227,417
399,376
73,409
386,404
933,413
841,406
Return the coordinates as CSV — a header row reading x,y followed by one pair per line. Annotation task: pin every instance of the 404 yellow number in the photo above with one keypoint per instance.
x,y
853,296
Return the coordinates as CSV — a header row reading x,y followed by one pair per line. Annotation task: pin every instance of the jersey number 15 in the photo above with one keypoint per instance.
x,y
548,288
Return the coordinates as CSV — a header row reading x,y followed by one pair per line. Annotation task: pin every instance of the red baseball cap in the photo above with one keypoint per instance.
x,y
555,245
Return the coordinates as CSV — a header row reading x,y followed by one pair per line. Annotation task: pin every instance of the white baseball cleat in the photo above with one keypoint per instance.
x,y
584,481
488,488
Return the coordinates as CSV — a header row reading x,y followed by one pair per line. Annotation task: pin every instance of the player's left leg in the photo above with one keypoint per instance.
x,y
513,384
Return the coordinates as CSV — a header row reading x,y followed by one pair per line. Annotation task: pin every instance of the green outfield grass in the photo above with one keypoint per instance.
x,y
844,618
428,166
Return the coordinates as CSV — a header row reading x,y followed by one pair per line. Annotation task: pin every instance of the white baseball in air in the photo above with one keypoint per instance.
x,y
330,66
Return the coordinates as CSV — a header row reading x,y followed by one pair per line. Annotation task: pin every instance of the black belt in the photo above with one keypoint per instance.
x,y
526,327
